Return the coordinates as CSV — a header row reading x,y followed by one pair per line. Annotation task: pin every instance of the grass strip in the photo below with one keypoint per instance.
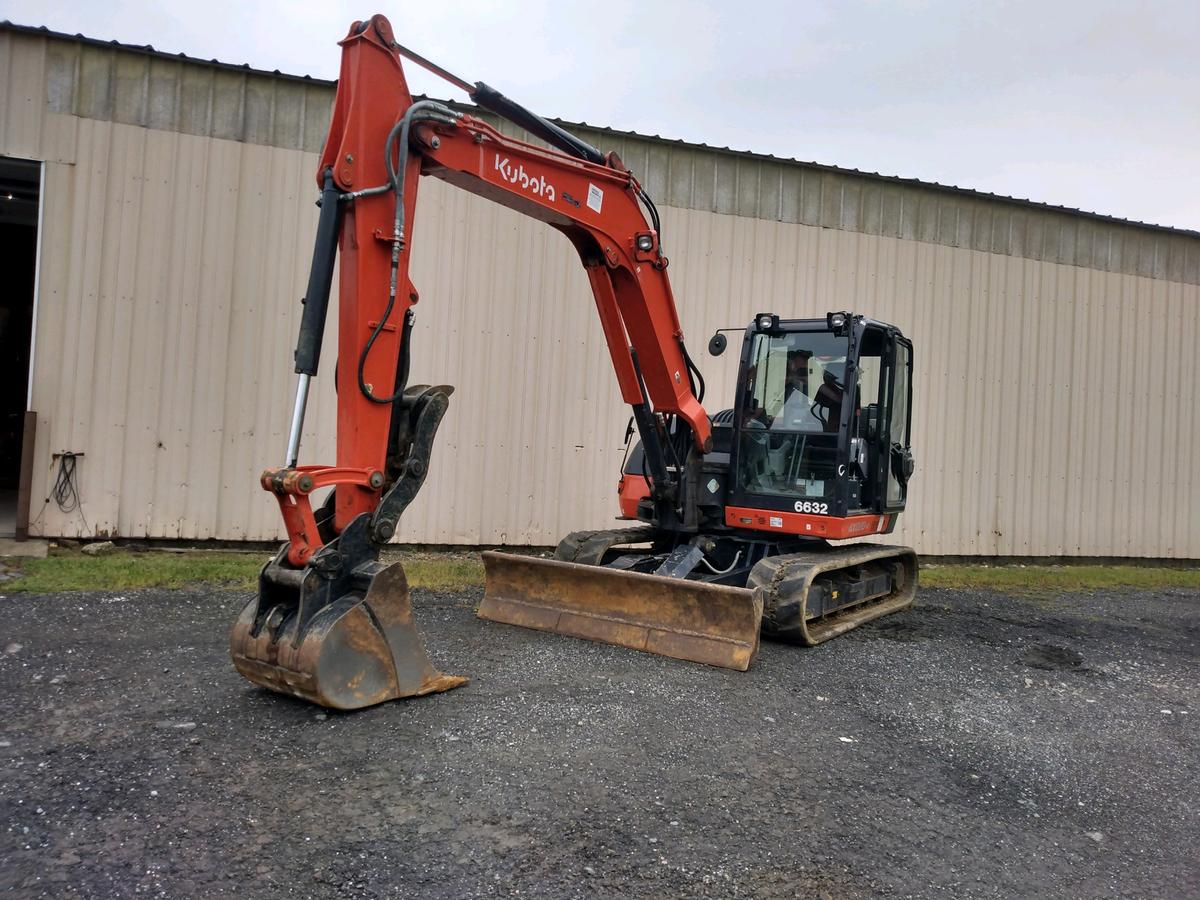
x,y
67,570
1061,579
70,570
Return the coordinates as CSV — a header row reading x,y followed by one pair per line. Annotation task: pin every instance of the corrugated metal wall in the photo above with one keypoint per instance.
x,y
1056,409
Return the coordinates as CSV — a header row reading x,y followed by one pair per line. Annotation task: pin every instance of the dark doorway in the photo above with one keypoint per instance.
x,y
20,183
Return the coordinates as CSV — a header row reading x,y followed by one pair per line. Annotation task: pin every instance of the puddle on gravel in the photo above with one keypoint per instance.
x,y
1053,658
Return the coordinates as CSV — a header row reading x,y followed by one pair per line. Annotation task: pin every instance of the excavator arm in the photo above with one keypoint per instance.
x,y
380,143
331,623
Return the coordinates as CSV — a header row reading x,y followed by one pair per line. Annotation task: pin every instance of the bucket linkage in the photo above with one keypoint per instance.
x,y
339,630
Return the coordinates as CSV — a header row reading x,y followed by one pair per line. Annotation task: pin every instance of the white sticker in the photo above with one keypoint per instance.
x,y
713,484
776,521
595,197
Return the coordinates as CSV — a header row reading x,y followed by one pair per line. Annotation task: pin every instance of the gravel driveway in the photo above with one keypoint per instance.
x,y
979,745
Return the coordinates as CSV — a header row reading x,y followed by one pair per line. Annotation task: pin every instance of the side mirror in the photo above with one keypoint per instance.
x,y
717,344
902,463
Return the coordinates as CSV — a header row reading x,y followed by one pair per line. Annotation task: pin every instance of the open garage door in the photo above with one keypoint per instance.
x,y
20,187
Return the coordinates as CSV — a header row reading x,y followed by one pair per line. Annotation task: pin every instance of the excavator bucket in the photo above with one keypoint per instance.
x,y
705,623
359,649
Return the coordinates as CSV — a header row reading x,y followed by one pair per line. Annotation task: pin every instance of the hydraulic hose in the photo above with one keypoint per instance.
x,y
429,110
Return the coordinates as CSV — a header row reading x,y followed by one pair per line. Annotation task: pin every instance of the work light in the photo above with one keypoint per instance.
x,y
766,321
837,322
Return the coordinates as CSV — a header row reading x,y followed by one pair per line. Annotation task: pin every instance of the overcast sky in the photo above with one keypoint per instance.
x,y
1088,104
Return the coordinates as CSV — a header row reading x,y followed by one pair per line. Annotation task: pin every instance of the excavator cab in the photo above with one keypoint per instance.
x,y
822,425
798,439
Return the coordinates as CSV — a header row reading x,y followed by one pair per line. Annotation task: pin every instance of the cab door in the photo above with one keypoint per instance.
x,y
877,423
896,454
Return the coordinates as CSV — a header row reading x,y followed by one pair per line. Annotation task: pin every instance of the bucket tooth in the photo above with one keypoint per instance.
x,y
358,650
691,620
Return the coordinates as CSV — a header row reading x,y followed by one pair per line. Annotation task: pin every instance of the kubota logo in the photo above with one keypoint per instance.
x,y
537,186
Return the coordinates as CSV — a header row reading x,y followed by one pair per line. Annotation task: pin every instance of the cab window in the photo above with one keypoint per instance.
x,y
791,411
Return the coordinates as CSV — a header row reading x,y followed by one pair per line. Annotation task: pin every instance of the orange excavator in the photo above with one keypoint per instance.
x,y
735,511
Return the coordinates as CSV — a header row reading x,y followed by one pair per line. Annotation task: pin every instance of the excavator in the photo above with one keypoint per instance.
x,y
733,515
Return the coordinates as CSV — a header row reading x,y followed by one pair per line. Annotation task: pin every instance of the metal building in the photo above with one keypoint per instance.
x,y
1056,409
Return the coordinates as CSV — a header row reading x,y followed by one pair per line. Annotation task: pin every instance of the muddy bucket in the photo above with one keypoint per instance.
x,y
706,623
355,650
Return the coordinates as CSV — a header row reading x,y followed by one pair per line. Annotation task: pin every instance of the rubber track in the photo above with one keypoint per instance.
x,y
786,576
589,547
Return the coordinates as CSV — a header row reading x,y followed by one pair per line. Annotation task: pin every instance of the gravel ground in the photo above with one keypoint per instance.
x,y
979,745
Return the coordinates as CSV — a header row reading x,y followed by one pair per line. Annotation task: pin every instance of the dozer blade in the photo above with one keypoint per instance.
x,y
356,651
690,620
